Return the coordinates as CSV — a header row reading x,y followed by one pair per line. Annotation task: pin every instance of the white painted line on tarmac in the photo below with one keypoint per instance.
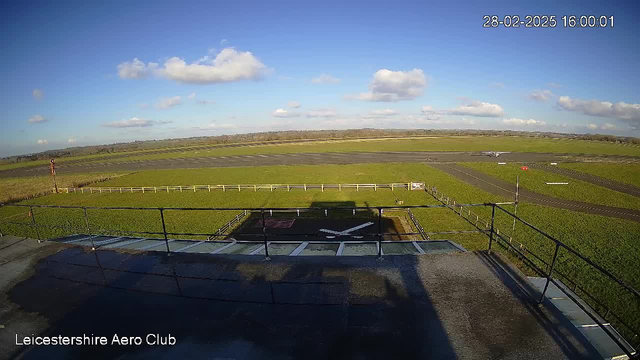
x,y
189,246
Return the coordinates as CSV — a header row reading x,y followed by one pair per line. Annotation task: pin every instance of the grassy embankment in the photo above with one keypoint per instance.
x,y
535,180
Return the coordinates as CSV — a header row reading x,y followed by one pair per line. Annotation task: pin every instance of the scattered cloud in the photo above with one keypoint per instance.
x,y
167,103
38,94
205,102
71,140
540,95
478,108
607,126
135,69
143,105
134,122
323,113
228,66
218,127
383,112
392,86
191,96
293,104
554,85
283,113
620,110
592,126
37,119
43,142
325,79
523,122
497,85
223,41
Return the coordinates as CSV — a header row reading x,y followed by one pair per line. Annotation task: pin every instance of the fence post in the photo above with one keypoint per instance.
x,y
33,221
553,264
164,231
209,186
493,214
264,233
86,221
379,233
194,188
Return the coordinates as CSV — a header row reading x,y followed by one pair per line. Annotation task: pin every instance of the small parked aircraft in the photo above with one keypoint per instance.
x,y
495,153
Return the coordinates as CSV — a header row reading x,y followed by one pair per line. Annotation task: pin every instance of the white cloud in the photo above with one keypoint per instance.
x,y
228,66
478,108
523,122
540,95
592,126
620,110
38,94
293,104
324,113
607,126
135,69
167,103
325,79
205,102
192,96
37,119
283,113
394,86
218,127
383,112
71,140
554,85
43,142
134,122
223,41
498,85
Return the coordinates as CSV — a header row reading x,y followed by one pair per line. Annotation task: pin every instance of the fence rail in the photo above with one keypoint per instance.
x,y
486,226
549,271
240,187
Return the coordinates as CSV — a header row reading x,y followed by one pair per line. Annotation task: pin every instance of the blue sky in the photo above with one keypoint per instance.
x,y
211,68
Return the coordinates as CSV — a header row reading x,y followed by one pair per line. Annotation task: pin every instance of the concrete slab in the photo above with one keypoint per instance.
x,y
399,248
360,249
320,250
206,247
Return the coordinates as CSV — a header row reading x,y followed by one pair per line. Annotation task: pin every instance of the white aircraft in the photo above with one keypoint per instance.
x,y
495,153
346,232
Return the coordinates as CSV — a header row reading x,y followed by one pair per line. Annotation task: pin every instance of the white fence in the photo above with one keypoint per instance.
x,y
241,187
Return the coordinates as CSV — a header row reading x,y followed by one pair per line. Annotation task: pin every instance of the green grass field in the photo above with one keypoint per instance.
x,y
21,188
436,143
535,180
462,143
610,242
624,173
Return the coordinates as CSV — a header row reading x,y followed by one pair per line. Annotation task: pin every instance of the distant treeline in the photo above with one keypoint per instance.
x,y
294,136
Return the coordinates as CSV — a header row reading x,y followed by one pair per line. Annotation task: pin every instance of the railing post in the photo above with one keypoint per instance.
x,y
164,231
264,233
86,222
493,215
553,264
379,233
33,221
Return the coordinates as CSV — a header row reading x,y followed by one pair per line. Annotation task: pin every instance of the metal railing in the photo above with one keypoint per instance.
x,y
240,187
224,229
463,210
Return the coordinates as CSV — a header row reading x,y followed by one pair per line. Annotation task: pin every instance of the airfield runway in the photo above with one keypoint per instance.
x,y
281,159
503,188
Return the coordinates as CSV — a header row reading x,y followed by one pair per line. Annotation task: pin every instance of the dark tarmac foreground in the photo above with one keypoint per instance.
x,y
467,305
